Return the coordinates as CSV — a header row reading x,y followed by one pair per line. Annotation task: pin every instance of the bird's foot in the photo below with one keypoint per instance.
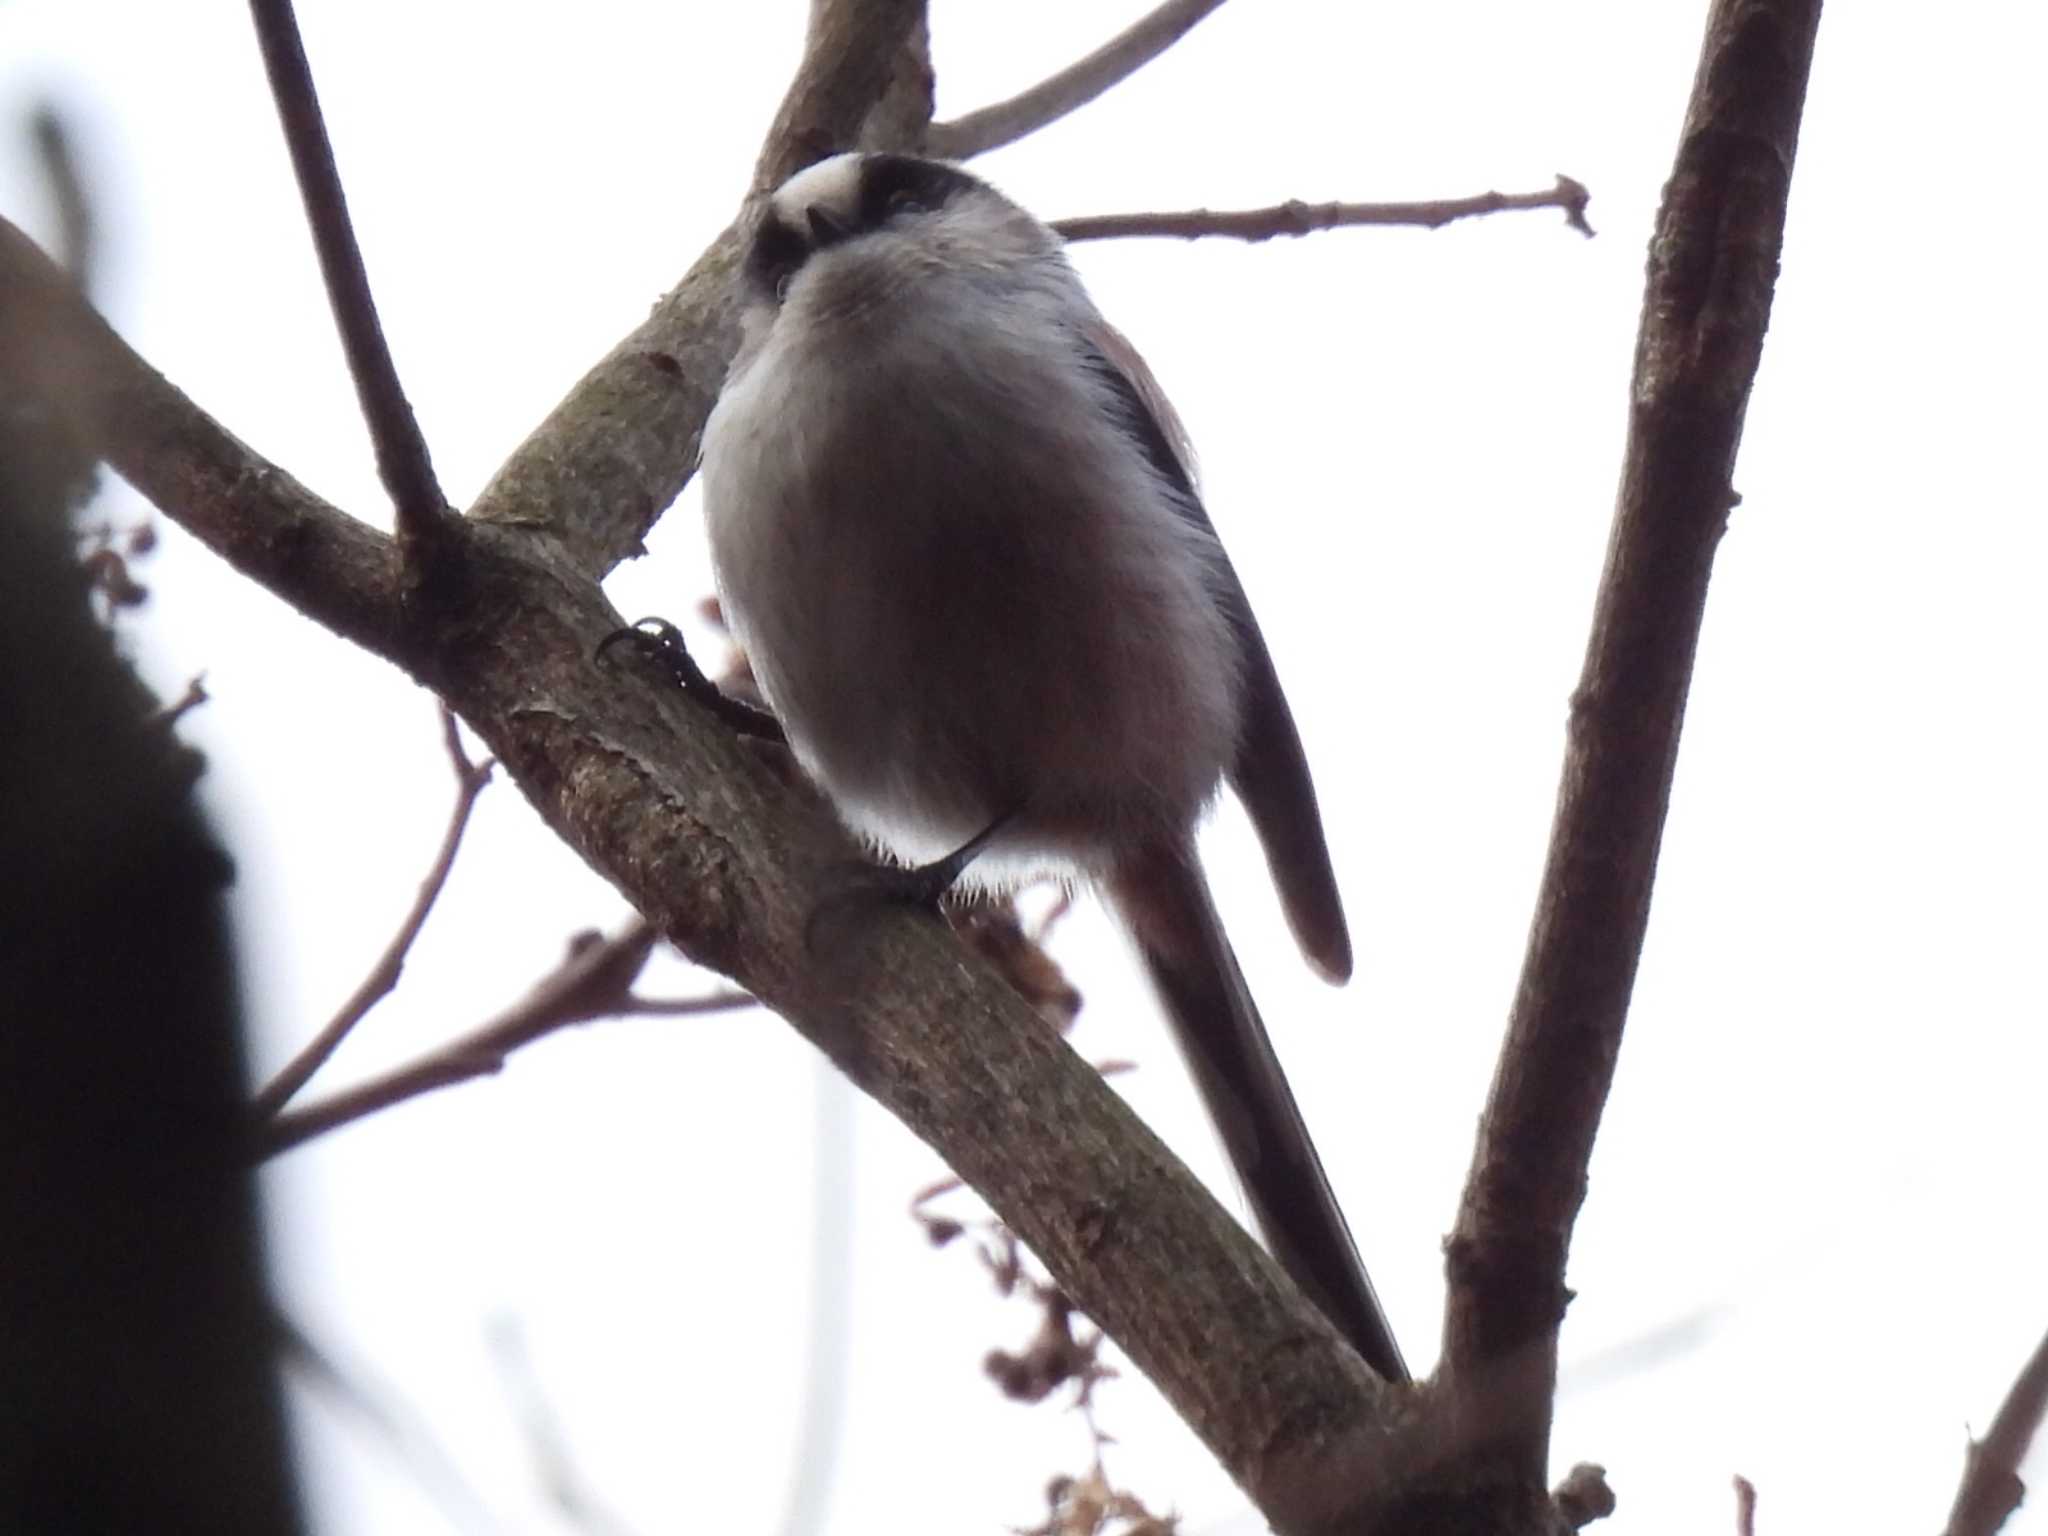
x,y
660,642
860,886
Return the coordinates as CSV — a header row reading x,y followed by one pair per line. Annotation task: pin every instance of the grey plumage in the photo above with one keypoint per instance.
x,y
954,525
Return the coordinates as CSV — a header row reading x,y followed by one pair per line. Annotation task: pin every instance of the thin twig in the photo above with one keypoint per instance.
x,y
195,694
1991,1488
1074,87
402,460
470,779
1745,1506
77,229
637,1007
1295,218
1707,301
594,982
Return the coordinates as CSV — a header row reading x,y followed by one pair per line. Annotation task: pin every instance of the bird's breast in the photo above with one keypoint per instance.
x,y
966,592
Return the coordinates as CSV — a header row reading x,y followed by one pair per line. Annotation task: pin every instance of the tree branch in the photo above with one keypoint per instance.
x,y
595,981
402,459
470,779
77,228
1296,218
1713,262
247,510
1074,87
1991,1488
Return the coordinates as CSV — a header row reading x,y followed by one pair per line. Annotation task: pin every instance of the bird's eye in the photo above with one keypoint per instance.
x,y
905,201
782,285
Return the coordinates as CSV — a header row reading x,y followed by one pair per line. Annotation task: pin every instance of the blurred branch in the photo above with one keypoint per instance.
x,y
568,1489
1583,1496
1005,122
594,981
1991,1488
402,460
820,1437
1296,218
77,229
470,779
406,1433
1713,263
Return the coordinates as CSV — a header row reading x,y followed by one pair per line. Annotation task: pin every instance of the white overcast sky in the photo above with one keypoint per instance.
x,y
1812,1251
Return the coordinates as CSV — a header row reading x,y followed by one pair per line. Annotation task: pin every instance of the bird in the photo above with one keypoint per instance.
x,y
955,528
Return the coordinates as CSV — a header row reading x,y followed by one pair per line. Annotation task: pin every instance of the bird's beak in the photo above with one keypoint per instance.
x,y
825,229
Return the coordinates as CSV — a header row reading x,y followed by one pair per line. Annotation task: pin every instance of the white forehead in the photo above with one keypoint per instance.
x,y
833,183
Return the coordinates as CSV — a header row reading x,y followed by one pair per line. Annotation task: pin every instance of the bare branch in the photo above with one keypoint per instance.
x,y
1074,87
243,507
1713,264
1296,218
594,981
470,779
77,229
195,694
1991,1488
1583,1496
638,1007
402,459
1745,1506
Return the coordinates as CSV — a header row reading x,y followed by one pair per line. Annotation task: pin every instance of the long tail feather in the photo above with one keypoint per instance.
x,y
1165,901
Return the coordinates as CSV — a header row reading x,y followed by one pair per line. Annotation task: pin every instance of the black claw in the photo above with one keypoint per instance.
x,y
924,886
660,642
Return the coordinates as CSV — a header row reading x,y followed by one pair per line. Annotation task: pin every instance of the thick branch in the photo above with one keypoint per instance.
x,y
1713,261
620,447
1072,88
402,460
1991,1488
1296,218
247,510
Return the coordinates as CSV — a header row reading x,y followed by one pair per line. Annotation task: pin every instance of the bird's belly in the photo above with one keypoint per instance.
x,y
953,635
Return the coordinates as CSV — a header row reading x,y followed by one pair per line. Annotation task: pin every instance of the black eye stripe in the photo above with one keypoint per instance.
x,y
891,187
892,184
774,256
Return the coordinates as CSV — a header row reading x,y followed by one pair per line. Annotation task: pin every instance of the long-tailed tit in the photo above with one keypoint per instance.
x,y
955,528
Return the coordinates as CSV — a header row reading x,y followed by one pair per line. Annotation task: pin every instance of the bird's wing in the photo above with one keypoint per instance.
x,y
1270,772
